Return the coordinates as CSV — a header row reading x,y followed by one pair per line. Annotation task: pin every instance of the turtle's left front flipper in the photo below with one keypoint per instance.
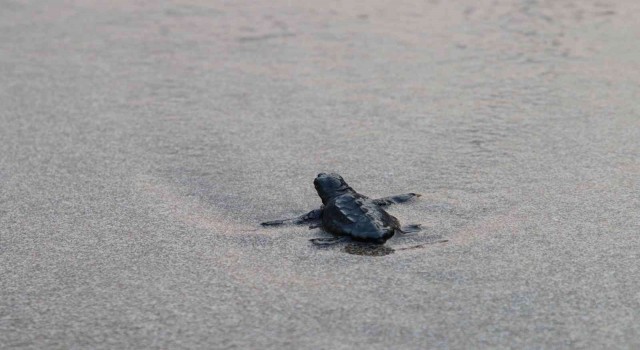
x,y
400,198
307,218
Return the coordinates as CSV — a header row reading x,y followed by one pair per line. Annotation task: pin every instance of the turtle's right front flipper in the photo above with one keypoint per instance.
x,y
307,218
400,198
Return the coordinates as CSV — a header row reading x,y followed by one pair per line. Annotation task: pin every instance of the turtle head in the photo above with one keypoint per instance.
x,y
330,185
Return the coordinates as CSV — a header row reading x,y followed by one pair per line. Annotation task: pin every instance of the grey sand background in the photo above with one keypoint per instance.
x,y
142,143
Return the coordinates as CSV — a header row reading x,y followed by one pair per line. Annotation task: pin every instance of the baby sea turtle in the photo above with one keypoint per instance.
x,y
348,214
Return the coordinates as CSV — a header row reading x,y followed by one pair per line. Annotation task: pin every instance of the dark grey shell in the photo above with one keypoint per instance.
x,y
357,216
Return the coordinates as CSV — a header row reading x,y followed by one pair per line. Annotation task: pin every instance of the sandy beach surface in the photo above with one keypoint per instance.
x,y
142,142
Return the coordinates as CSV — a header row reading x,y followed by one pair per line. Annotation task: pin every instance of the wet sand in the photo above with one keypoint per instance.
x,y
142,143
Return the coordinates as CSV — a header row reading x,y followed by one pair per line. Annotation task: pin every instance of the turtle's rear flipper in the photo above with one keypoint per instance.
x,y
328,241
274,222
302,219
400,198
411,228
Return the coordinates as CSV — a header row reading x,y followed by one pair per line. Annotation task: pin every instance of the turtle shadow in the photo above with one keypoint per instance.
x,y
367,249
353,247
373,249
